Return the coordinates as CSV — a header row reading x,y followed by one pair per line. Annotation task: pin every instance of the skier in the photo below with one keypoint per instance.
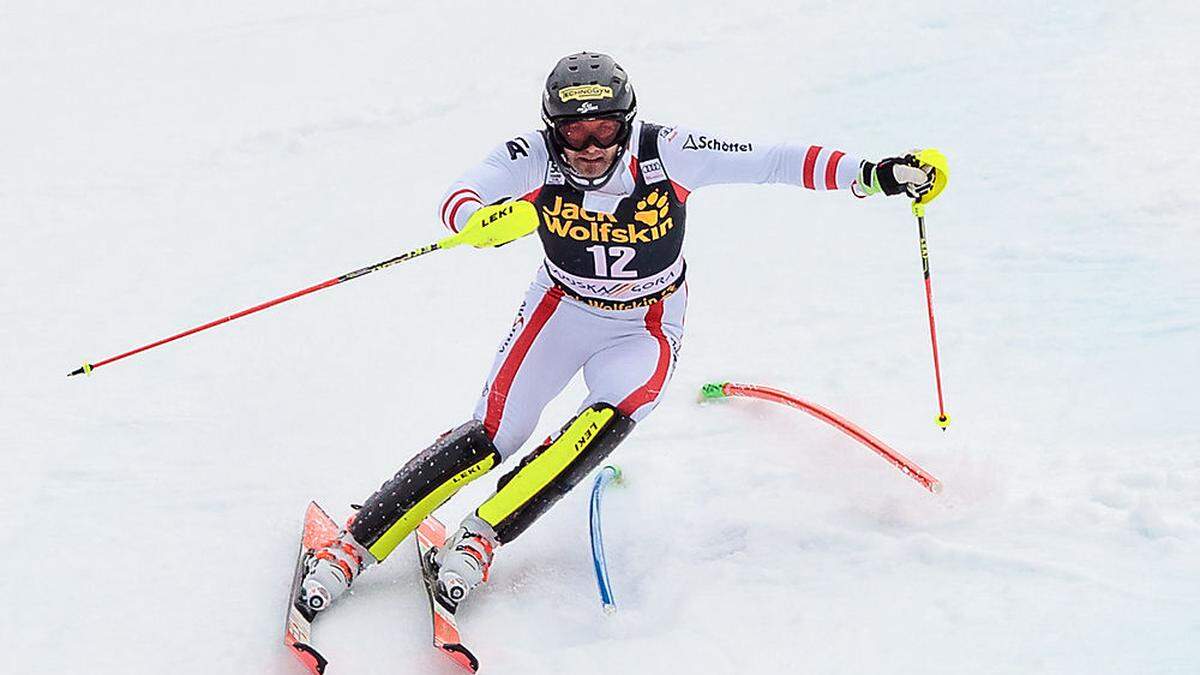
x,y
607,194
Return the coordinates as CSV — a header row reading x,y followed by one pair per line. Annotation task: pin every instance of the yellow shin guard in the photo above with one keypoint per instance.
x,y
550,471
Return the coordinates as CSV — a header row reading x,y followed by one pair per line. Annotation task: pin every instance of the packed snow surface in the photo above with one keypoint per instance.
x,y
164,164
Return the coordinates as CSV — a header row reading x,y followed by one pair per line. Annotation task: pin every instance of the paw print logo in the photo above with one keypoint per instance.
x,y
652,209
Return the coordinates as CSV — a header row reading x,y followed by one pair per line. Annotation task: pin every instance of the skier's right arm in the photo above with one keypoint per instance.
x,y
511,171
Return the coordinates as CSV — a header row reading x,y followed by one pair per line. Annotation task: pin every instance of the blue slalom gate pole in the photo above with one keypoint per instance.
x,y
607,475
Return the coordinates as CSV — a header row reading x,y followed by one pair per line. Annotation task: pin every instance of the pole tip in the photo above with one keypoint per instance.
x,y
85,369
713,390
942,420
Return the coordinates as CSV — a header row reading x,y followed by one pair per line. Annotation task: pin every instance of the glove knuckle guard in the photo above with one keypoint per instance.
x,y
500,224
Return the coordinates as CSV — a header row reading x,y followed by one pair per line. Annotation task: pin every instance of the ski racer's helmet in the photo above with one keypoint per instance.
x,y
588,100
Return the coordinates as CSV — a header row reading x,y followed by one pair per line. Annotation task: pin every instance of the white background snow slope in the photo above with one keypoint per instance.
x,y
166,163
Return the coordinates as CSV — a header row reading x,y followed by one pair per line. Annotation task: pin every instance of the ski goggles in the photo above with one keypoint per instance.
x,y
603,132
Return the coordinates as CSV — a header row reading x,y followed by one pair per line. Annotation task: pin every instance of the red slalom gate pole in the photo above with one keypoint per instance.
x,y
87,368
906,465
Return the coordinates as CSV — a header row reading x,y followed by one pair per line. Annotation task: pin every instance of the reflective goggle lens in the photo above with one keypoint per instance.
x,y
579,134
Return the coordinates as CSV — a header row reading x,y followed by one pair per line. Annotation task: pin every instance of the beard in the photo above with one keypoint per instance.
x,y
592,167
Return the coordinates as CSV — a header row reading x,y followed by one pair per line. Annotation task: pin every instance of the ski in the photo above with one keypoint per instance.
x,y
431,535
297,634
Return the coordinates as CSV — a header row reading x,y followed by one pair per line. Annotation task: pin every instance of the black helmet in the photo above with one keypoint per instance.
x,y
583,86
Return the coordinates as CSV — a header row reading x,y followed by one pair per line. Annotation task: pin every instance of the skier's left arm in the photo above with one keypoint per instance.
x,y
696,159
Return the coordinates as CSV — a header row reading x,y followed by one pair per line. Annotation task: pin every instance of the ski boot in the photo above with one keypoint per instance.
x,y
463,563
331,570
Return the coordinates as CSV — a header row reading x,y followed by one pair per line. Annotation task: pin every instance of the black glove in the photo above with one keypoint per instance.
x,y
893,176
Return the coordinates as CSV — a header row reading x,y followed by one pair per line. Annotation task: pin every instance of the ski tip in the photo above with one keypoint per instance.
x,y
310,657
319,528
936,487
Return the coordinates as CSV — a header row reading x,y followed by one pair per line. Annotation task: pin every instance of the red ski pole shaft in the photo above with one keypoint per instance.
x,y
943,420
87,368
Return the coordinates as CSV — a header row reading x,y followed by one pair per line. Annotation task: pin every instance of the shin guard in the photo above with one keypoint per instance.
x,y
423,484
550,471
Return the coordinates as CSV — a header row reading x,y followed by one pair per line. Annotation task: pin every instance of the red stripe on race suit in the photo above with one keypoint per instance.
x,y
650,391
454,211
810,164
450,199
498,392
532,195
681,193
831,170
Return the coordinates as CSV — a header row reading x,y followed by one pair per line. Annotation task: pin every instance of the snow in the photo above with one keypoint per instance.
x,y
164,164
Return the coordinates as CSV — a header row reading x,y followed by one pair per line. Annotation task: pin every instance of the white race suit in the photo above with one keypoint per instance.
x,y
610,297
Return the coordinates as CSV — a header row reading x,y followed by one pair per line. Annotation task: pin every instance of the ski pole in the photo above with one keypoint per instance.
x,y
938,161
607,475
943,420
87,368
906,465
493,225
